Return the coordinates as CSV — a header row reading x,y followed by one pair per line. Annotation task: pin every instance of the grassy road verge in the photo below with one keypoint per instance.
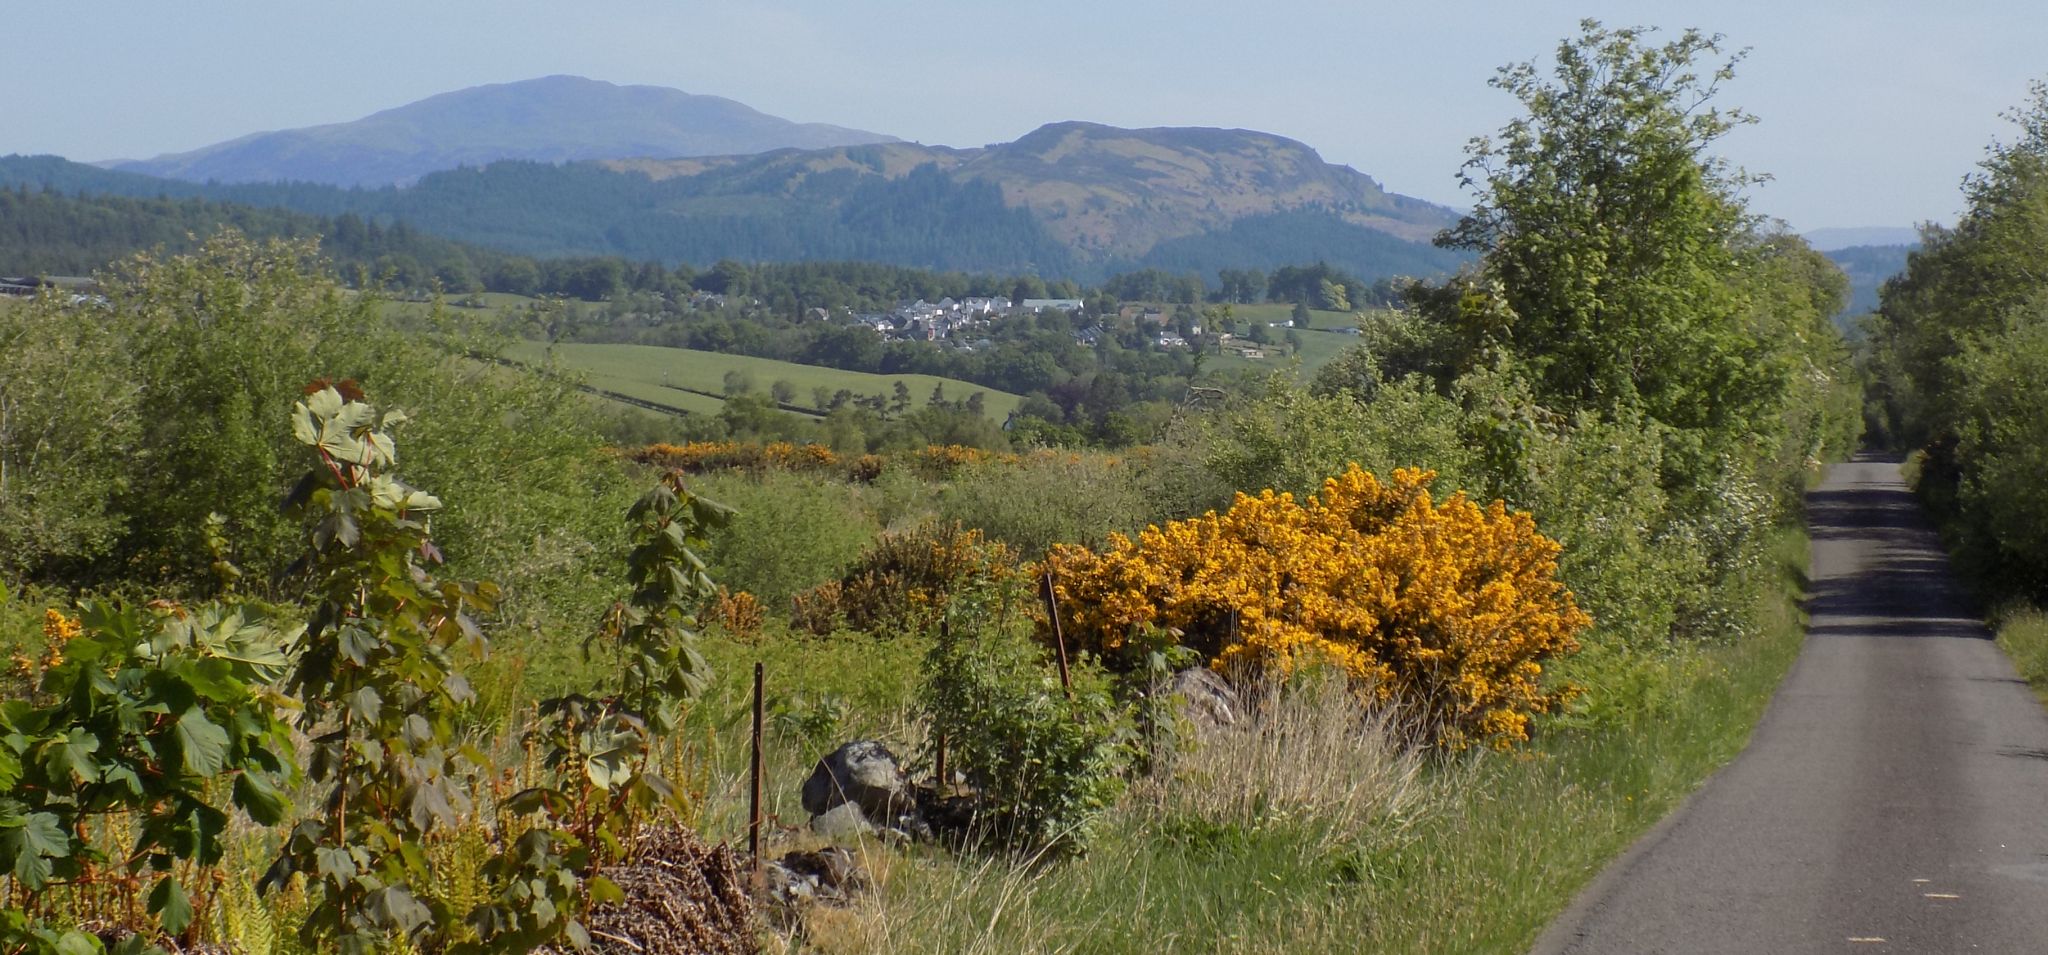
x,y
1474,855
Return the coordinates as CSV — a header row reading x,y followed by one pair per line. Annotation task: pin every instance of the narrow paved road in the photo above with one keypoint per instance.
x,y
1894,797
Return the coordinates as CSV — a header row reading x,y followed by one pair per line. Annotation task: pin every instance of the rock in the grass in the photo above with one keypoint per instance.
x,y
829,875
863,773
1206,698
842,822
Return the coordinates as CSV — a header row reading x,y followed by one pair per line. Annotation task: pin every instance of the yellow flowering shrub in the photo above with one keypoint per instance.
x,y
1446,609
945,460
58,631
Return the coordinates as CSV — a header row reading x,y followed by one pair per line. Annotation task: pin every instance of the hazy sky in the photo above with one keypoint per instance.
x,y
1872,110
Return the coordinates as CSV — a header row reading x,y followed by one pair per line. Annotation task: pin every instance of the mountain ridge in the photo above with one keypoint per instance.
x,y
1069,199
1106,191
559,118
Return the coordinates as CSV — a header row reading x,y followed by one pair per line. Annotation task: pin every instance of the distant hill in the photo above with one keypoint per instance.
x,y
1105,192
1069,200
551,119
1831,240
1868,266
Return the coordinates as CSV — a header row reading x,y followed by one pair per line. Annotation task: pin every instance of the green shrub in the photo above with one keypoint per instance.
x,y
70,420
792,532
379,685
1044,499
139,418
1288,438
1042,765
137,715
2000,453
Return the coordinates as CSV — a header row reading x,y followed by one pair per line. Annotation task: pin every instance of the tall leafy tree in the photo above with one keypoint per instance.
x,y
1970,283
1614,243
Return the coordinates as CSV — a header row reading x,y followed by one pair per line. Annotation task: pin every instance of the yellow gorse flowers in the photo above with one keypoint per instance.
x,y
58,630
1446,609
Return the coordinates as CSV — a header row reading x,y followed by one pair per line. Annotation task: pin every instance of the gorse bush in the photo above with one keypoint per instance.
x,y
1448,610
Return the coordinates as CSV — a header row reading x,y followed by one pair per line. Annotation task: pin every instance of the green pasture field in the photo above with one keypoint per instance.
x,y
654,373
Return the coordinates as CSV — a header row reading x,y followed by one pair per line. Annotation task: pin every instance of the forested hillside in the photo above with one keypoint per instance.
x,y
1073,201
1868,268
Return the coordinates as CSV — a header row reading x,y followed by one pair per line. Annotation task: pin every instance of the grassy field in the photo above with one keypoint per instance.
x,y
688,402
1318,347
1281,311
653,373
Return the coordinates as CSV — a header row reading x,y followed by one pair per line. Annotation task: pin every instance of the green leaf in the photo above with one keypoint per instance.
x,y
204,746
305,426
168,903
604,891
74,942
72,756
366,704
44,834
31,842
260,799
334,865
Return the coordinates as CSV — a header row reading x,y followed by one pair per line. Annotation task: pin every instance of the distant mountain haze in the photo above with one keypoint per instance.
x,y
1831,240
551,119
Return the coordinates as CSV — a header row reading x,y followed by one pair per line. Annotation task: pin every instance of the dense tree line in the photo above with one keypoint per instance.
x,y
1958,350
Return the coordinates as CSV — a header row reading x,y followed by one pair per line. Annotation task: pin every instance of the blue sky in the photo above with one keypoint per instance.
x,y
1872,110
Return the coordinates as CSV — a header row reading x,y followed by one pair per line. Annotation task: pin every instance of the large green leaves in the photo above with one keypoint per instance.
x,y
377,680
202,746
30,842
148,708
170,905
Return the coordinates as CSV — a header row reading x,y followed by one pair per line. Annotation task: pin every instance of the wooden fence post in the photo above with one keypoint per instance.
x,y
1059,636
754,801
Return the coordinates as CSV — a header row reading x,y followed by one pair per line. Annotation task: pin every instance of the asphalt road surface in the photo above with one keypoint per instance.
x,y
1894,797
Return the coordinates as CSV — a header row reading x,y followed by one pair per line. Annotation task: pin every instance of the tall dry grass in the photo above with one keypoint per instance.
x,y
1308,753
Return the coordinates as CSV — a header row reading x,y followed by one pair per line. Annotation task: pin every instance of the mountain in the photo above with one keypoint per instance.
x,y
551,119
1830,240
1104,191
1069,200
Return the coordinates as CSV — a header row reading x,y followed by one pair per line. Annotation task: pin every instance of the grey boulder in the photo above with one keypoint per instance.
x,y
863,773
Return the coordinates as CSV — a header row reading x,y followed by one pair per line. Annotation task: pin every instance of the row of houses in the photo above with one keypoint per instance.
x,y
951,319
